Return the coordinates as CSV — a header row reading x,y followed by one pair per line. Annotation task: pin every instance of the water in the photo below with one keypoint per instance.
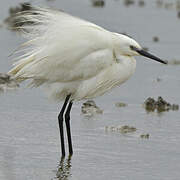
x,y
29,135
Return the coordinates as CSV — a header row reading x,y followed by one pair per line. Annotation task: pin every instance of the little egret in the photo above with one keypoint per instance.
x,y
73,59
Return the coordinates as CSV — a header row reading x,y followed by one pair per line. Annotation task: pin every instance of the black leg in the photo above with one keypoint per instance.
x,y
67,120
60,119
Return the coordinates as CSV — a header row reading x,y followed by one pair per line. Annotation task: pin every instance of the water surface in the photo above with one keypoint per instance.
x,y
29,135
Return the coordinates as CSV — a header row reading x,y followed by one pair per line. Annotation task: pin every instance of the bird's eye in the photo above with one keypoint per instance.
x,y
132,47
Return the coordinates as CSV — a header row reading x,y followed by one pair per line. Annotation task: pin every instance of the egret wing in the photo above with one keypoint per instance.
x,y
63,48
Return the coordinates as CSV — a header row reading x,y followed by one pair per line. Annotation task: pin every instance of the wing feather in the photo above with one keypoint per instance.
x,y
63,47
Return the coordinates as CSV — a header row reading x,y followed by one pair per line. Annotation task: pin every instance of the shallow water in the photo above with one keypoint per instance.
x,y
29,136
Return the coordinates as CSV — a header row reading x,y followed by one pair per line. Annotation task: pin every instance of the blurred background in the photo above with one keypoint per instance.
x,y
29,135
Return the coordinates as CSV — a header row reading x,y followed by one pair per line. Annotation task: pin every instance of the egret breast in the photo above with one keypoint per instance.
x,y
109,78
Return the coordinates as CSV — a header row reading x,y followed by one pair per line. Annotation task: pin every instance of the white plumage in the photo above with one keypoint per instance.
x,y
72,56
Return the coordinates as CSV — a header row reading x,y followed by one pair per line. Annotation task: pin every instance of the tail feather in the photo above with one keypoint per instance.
x,y
21,64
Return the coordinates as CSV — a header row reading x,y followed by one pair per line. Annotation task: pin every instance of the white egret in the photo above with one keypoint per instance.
x,y
73,58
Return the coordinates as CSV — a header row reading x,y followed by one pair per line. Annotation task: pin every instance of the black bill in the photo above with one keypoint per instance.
x,y
146,54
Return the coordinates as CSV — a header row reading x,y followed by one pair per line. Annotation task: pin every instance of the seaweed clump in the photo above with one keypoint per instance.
x,y
174,62
98,3
128,2
7,82
89,108
120,104
156,39
141,3
160,105
121,129
144,136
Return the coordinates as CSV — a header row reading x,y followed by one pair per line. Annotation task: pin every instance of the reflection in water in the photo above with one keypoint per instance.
x,y
8,163
64,169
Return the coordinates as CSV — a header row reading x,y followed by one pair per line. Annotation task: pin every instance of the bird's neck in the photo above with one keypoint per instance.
x,y
126,60
127,64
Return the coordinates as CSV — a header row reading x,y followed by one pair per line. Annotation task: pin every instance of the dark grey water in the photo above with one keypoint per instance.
x,y
29,136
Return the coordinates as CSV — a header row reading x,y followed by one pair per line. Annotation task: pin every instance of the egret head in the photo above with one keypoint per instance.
x,y
129,47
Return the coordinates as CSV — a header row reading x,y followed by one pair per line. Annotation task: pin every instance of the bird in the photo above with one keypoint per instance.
x,y
73,59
